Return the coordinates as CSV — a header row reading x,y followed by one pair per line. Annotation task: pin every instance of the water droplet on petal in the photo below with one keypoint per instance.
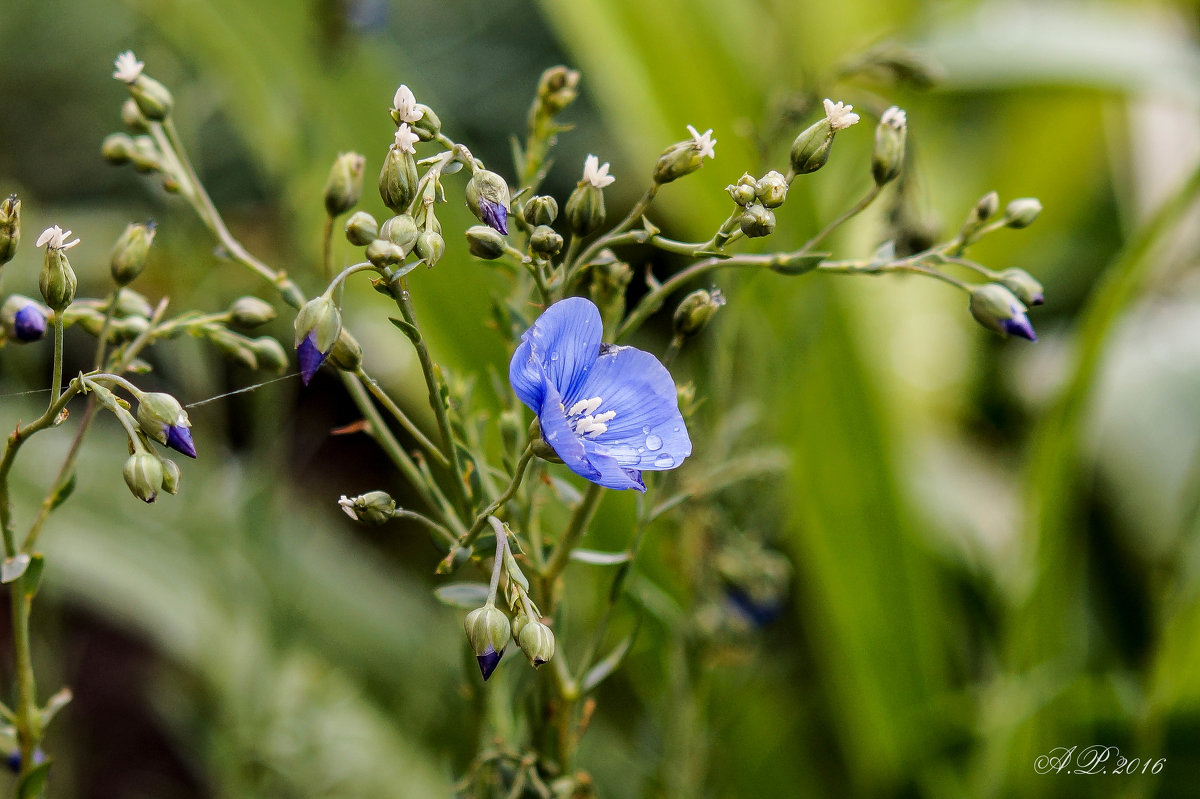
x,y
645,429
653,443
675,429
664,461
554,356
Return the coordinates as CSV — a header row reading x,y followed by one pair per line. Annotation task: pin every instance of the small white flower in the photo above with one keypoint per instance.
x,y
128,67
894,117
405,139
839,115
596,174
705,144
347,505
56,238
405,105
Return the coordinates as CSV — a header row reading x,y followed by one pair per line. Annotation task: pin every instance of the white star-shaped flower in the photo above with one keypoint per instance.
x,y
405,139
56,238
839,115
405,105
705,144
596,174
347,505
128,68
894,117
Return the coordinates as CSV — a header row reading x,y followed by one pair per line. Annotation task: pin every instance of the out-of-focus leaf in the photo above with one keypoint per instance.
x,y
595,558
467,596
608,664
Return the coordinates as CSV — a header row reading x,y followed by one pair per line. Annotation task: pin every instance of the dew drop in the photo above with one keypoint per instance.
x,y
653,443
645,429
675,429
664,461
640,450
554,356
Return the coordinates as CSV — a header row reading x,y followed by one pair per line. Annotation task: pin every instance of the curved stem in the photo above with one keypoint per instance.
x,y
496,504
635,213
580,519
400,416
861,205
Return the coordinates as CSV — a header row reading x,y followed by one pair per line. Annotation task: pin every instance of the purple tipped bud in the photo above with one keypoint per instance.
x,y
179,438
996,307
310,357
29,323
1019,326
495,216
488,662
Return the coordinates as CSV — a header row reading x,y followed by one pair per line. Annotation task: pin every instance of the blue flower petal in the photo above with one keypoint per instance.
x,y
309,357
609,471
179,438
560,347
559,435
647,432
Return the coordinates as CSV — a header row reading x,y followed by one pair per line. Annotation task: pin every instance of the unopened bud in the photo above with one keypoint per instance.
x,y
695,310
585,209
430,247
488,632
757,222
401,230
344,186
129,254
130,303
744,192
57,279
999,310
676,161
488,198
545,242
10,227
557,88
317,327
985,208
117,149
771,189
144,475
888,156
171,476
1023,284
361,229
133,117
23,320
153,99
347,353
237,349
382,253
398,179
1021,212
541,210
268,354
373,508
537,642
250,312
428,126
484,242
810,150
164,420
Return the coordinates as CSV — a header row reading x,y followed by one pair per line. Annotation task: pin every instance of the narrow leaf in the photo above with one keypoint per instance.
x,y
596,674
462,595
597,558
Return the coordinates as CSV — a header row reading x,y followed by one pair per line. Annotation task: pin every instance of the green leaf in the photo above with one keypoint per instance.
x,y
413,334
597,558
800,265
462,595
33,574
14,567
63,492
33,783
606,666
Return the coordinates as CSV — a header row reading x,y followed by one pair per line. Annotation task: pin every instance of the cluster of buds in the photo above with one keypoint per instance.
x,y
149,104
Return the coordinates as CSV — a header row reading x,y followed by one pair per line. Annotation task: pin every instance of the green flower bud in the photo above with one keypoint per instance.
x,y
10,227
428,126
117,149
57,279
130,303
171,476
317,327
373,508
685,157
488,198
235,348
398,179
810,150
888,156
153,99
519,623
985,208
361,229
999,310
585,209
744,192
164,420
541,210
1021,212
545,242
269,354
133,117
557,89
1023,284
129,254
402,231
757,222
344,186
537,642
485,243
771,189
250,312
144,475
488,632
346,353
145,156
695,310
430,247
383,253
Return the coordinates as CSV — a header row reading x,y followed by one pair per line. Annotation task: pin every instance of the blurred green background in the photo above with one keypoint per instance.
x,y
993,544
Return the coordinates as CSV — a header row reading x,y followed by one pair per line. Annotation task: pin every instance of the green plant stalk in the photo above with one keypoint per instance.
x,y
57,369
476,528
635,213
435,385
102,339
846,216
400,416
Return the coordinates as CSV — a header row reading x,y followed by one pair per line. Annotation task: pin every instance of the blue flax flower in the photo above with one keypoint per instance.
x,y
609,412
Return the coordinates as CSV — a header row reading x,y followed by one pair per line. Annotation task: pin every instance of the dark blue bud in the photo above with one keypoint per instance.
x,y
29,324
310,357
13,760
488,661
495,216
1019,326
179,438
759,613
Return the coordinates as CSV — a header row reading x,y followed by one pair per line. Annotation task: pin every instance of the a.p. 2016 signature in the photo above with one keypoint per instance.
x,y
1095,759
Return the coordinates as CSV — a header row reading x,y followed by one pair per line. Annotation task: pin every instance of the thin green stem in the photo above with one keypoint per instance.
x,y
400,416
402,513
102,339
635,213
498,503
327,247
501,543
850,213
57,369
576,527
